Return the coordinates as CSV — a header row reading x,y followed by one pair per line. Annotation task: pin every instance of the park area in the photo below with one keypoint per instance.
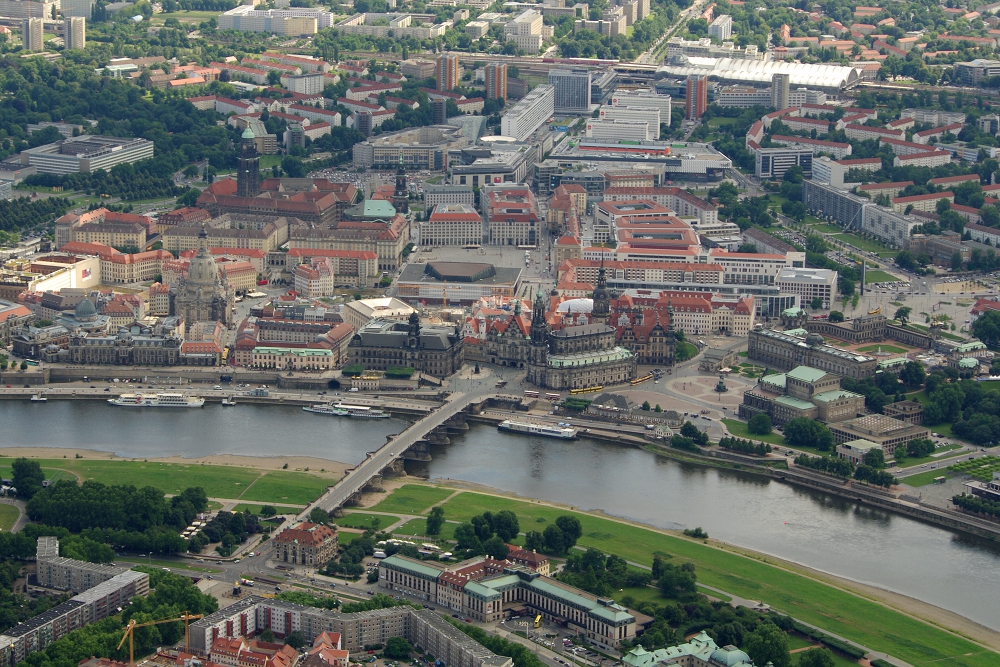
x,y
790,590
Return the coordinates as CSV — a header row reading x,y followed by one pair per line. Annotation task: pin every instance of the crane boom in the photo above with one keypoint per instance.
x,y
132,625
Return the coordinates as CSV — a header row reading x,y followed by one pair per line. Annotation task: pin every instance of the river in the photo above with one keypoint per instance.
x,y
953,571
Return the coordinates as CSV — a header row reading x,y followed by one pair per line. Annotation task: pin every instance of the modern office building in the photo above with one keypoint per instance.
x,y
644,99
446,71
75,32
448,194
86,153
619,130
721,28
779,90
697,96
32,34
881,430
809,284
636,114
496,81
292,21
529,114
971,73
571,90
774,162
527,31
452,225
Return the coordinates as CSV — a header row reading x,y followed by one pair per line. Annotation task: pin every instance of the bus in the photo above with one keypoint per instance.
x,y
472,246
552,397
644,378
586,390
530,394
538,621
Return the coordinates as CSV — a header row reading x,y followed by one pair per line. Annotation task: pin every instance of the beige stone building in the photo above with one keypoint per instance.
x,y
305,544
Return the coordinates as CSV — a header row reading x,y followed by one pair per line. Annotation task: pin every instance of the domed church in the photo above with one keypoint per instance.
x,y
203,296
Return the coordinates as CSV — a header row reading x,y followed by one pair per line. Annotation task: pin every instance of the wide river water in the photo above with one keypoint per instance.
x,y
947,569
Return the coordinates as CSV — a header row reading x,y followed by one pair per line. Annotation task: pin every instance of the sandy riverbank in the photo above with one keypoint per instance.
x,y
315,465
941,618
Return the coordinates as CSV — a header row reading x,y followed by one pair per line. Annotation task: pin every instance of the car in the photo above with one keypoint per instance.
x,y
277,588
454,616
371,592
208,576
93,387
105,389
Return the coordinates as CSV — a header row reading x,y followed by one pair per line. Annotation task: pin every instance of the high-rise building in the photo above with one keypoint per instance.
x,y
440,111
721,28
496,81
779,91
363,122
75,32
697,96
528,115
446,71
248,174
33,35
572,90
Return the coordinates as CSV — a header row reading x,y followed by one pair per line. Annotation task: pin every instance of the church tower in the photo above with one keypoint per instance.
x,y
248,171
401,196
670,339
538,350
601,312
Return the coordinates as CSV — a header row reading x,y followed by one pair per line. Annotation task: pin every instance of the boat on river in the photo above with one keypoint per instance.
x,y
157,401
528,428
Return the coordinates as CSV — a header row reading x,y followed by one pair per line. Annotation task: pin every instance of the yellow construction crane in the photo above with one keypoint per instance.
x,y
132,625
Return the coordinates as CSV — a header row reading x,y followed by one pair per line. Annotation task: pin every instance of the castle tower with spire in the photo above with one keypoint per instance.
x,y
601,312
248,170
401,195
538,353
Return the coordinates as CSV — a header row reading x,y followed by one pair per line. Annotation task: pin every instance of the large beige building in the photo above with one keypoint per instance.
x,y
885,431
802,392
452,225
305,544
361,312
116,235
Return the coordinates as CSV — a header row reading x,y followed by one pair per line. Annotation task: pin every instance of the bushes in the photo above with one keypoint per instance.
x,y
745,446
573,403
352,370
977,505
849,650
399,372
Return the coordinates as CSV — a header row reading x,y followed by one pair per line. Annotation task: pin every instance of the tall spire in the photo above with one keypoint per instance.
x,y
601,312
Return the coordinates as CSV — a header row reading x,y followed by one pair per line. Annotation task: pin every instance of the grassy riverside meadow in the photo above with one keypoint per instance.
x,y
8,515
834,610
219,481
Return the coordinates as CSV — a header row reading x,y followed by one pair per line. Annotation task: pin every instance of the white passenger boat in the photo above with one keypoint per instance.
x,y
361,411
326,410
38,399
157,401
560,432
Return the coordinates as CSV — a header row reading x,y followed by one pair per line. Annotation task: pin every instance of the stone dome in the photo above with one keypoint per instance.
x,y
730,656
85,311
814,339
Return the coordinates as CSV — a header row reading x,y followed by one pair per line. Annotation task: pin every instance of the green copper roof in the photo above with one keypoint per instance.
x,y
805,374
248,133
835,395
795,403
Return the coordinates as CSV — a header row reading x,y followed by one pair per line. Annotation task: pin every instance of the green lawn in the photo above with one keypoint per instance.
x,y
838,660
861,243
361,520
739,430
268,161
877,276
798,641
910,461
419,527
184,17
412,499
925,478
255,509
8,515
218,481
834,610
719,121
893,349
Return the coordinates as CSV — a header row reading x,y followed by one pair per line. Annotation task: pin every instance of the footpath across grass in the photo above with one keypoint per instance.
x,y
412,499
218,481
835,611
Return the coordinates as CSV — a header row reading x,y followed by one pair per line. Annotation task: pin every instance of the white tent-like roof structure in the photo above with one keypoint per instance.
x,y
831,77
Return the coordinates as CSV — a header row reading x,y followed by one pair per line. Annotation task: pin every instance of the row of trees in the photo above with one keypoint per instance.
x,y
601,574
690,437
745,446
828,464
977,505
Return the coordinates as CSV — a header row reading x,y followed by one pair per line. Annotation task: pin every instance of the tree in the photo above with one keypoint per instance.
x,y
805,432
956,259
267,636
817,657
875,458
435,520
295,639
27,476
942,206
534,541
496,548
319,515
397,648
293,166
645,406
505,525
465,533
768,644
816,303
24,365
658,565
759,424
987,328
836,316
571,530
902,314
267,511
912,374
676,581
555,542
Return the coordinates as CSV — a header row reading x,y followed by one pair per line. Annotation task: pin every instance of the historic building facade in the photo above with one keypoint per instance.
x,y
785,350
203,296
383,344
305,544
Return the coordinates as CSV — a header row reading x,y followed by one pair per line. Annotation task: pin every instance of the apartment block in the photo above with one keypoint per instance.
x,y
521,120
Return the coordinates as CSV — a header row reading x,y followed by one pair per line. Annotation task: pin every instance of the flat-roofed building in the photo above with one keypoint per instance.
x,y
521,120
881,430
809,284
856,450
452,225
86,153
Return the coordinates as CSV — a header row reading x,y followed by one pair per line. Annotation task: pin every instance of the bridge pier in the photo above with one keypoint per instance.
x,y
373,484
419,451
438,436
394,469
457,423
353,500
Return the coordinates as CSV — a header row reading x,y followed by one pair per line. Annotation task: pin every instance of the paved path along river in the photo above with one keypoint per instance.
x,y
958,573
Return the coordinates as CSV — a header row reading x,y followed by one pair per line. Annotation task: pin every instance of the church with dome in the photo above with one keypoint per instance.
x,y
204,295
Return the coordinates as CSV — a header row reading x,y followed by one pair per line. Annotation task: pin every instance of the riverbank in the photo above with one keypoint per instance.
x,y
912,630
